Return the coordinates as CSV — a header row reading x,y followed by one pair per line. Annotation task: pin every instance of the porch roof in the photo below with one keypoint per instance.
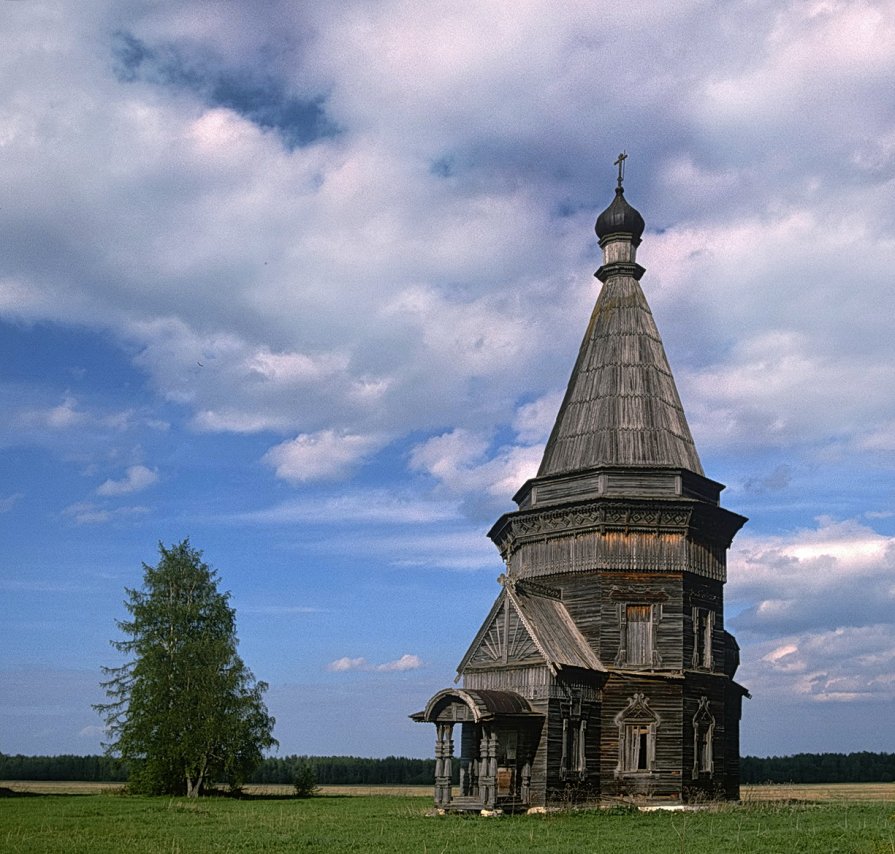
x,y
485,705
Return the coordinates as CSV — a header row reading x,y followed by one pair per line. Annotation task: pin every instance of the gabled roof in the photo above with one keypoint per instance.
x,y
621,407
524,625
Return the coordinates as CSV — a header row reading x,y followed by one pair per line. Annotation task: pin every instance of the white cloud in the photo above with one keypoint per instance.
x,y
810,562
822,623
534,421
846,664
135,479
320,455
469,277
461,462
405,662
341,665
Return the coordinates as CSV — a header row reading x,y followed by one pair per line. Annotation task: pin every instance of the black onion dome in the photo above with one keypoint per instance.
x,y
620,218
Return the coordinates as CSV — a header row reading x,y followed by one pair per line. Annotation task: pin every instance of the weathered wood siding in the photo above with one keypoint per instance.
x,y
733,712
665,592
582,596
533,683
665,698
702,784
707,595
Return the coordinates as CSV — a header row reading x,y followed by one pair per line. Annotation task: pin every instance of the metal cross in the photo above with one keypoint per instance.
x,y
621,168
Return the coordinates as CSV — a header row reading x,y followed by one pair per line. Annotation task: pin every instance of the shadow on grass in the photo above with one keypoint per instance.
x,y
6,792
12,793
260,796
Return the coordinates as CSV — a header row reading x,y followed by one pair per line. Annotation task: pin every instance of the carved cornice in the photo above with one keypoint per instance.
x,y
597,517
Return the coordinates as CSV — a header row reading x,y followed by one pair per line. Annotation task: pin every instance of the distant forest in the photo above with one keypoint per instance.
x,y
397,770
819,768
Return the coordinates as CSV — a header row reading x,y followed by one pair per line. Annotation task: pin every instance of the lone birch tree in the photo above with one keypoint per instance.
x,y
184,711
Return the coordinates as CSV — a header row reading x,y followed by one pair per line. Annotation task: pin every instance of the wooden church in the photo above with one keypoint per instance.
x,y
603,670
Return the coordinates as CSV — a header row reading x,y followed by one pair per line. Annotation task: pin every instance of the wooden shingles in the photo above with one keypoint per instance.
x,y
555,631
621,407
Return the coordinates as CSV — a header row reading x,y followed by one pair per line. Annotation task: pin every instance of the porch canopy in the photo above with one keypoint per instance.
x,y
497,745
456,705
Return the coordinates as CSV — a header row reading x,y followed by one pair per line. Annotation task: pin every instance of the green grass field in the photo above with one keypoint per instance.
x,y
98,823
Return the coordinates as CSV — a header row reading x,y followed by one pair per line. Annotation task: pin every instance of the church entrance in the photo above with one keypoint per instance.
x,y
496,748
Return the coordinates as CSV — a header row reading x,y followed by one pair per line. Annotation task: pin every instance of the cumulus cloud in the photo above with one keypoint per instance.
x,y
405,662
843,665
466,463
820,624
341,665
420,274
136,478
320,455
399,665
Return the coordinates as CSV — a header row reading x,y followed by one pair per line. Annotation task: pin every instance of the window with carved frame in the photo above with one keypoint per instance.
x,y
703,737
573,762
637,729
703,629
637,635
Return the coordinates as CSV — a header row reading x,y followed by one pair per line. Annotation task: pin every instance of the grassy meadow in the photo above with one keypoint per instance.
x,y
79,818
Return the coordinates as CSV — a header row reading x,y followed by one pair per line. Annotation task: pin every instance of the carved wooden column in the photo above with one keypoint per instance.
x,y
492,765
444,755
488,766
525,791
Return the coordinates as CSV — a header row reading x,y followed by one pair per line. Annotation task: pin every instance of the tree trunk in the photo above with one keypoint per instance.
x,y
194,785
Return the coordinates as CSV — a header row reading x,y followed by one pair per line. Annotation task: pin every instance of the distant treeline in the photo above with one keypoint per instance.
x,y
398,770
328,770
101,769
350,770
819,768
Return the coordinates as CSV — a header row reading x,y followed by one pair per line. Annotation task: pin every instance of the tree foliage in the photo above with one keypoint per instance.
x,y
862,767
304,780
349,770
184,711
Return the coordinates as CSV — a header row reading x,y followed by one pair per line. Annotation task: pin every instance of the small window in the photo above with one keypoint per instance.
x,y
703,736
703,628
637,727
639,635
638,747
573,761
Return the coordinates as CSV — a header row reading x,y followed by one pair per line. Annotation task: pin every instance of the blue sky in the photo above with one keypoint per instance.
x,y
305,283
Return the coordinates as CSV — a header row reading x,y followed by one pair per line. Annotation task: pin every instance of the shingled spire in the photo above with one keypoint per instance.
x,y
621,407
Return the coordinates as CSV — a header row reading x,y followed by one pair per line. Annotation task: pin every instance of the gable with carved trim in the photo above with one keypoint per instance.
x,y
505,641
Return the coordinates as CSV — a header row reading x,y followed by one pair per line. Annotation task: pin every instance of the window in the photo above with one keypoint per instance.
x,y
703,627
638,635
703,735
573,762
638,747
637,727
